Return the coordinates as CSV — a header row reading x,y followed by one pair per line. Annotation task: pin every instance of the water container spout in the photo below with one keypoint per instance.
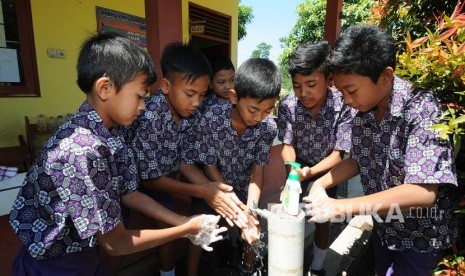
x,y
261,212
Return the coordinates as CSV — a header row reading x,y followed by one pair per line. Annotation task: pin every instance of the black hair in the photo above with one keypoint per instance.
x,y
257,78
364,50
220,62
184,59
308,58
114,56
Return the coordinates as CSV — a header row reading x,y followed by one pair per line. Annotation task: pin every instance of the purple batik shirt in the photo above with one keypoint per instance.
x,y
157,139
402,148
211,99
73,190
216,143
314,139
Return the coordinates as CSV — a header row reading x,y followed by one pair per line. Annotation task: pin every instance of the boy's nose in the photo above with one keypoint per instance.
x,y
142,106
196,101
305,92
347,99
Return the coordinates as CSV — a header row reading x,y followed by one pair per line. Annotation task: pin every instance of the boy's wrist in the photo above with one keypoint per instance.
x,y
288,168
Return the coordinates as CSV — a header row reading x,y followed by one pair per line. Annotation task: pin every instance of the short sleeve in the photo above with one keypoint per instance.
x,y
428,158
344,129
85,181
265,142
144,144
190,152
285,122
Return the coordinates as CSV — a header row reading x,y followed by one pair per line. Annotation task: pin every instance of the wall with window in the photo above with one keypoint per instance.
x,y
64,25
225,7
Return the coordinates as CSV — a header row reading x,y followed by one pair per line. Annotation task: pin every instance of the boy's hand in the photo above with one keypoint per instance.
x,y
318,207
251,233
224,201
205,231
304,173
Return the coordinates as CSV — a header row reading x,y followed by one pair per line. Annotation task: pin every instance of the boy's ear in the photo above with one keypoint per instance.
x,y
104,88
387,75
165,86
233,96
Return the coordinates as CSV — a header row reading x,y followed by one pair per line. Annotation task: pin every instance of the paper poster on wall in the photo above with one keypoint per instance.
x,y
9,70
125,24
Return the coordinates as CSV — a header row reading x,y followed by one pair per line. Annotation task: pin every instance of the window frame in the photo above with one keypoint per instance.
x,y
27,52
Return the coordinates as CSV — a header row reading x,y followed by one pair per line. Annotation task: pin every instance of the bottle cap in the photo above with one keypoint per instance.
x,y
294,165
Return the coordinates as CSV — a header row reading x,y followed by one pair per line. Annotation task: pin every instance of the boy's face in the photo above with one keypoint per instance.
x,y
360,92
250,111
185,97
124,106
310,89
222,82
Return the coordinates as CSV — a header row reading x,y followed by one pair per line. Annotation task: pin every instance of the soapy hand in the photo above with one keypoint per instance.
x,y
208,232
251,233
318,207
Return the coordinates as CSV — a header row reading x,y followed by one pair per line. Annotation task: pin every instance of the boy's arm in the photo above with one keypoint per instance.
x,y
122,241
288,155
343,171
217,195
251,233
151,208
173,186
392,201
212,173
255,185
400,197
323,166
343,143
210,191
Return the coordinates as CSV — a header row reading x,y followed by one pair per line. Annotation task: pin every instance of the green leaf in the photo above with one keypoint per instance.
x,y
440,127
444,134
460,120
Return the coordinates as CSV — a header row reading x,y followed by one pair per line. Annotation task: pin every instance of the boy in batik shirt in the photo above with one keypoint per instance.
x,y
158,134
71,198
221,82
403,164
314,126
233,141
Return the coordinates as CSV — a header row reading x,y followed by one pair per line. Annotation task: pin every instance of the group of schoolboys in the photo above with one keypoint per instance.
x,y
206,133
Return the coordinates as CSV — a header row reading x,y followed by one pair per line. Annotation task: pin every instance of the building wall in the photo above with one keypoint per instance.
x,y
64,25
229,7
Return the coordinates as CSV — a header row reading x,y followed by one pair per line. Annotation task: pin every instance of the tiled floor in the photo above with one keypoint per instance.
x,y
9,246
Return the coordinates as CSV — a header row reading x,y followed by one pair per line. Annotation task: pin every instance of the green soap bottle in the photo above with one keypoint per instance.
x,y
292,191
